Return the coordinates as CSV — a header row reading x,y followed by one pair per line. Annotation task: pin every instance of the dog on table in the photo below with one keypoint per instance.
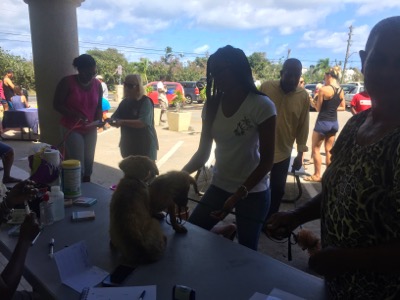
x,y
133,231
169,192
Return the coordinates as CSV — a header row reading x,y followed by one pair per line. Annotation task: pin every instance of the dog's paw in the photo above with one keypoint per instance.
x,y
180,229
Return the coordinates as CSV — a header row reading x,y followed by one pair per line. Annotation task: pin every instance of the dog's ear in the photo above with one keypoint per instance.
x,y
127,163
138,167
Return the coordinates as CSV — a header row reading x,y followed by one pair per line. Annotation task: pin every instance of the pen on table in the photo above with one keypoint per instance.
x,y
34,240
51,245
141,297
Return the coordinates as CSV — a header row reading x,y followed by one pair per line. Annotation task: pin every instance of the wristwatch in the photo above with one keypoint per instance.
x,y
243,191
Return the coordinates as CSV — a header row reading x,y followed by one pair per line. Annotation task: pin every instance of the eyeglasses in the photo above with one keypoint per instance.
x,y
130,85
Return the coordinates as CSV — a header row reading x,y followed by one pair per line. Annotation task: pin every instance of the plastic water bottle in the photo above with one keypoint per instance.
x,y
46,211
57,197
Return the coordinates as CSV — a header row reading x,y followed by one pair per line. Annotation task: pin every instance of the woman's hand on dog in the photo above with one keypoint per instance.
x,y
226,209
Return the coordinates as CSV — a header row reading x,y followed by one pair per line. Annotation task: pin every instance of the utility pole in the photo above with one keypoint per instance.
x,y
288,53
347,52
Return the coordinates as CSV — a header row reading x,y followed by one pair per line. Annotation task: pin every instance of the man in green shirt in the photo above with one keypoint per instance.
x,y
292,106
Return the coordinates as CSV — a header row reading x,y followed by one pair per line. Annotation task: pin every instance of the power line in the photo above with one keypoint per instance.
x,y
140,50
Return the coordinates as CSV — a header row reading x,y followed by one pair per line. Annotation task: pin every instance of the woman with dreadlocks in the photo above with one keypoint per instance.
x,y
241,121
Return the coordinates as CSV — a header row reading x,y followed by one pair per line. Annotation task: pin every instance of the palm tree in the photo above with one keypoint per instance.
x,y
142,68
321,67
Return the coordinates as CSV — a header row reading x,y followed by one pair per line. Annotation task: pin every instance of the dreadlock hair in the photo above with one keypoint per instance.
x,y
239,66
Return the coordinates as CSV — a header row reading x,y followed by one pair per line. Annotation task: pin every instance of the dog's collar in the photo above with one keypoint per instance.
x,y
139,180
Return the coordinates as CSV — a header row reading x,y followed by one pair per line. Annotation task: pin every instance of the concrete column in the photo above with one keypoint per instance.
x,y
54,32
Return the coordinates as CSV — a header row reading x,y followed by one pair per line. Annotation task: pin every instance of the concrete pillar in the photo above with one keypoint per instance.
x,y
54,32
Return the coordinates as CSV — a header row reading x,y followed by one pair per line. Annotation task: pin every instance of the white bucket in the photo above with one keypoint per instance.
x,y
71,178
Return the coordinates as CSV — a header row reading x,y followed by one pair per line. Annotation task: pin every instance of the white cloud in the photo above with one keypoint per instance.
x,y
370,7
281,49
336,41
202,49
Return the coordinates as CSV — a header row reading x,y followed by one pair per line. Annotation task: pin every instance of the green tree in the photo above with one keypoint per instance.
x,y
107,62
23,69
321,67
259,64
357,76
142,67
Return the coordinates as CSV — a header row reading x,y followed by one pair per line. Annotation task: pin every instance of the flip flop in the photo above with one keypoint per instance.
x,y
113,187
11,180
311,179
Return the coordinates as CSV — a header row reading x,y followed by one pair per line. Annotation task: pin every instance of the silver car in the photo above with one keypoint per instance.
x,y
350,90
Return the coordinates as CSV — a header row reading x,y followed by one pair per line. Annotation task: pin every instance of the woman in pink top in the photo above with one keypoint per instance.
x,y
78,100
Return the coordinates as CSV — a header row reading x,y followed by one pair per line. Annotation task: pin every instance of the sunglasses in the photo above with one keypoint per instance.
x,y
130,85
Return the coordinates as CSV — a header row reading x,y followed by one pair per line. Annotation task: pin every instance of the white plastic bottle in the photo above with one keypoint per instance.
x,y
57,197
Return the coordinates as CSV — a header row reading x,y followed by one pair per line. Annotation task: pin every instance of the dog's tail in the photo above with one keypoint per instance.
x,y
194,183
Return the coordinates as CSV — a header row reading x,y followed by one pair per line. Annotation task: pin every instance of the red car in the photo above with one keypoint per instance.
x,y
171,88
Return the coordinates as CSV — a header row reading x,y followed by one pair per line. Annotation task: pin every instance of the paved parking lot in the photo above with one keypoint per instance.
x,y
176,148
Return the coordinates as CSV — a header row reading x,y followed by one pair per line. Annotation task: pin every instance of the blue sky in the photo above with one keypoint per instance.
x,y
311,29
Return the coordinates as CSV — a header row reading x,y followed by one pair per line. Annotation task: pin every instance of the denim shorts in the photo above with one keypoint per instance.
x,y
326,127
4,149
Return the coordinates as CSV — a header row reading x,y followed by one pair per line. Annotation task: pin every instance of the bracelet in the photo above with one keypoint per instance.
x,y
243,191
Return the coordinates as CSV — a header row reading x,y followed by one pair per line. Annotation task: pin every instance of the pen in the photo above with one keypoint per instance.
x,y
51,244
34,240
141,297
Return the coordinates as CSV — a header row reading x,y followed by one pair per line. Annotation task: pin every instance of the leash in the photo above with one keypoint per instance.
x,y
61,145
289,239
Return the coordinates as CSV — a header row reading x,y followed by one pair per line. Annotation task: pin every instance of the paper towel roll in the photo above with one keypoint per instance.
x,y
52,156
37,147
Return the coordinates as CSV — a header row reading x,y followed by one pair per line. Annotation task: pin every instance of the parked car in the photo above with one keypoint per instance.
x,y
310,88
350,89
192,92
201,84
171,88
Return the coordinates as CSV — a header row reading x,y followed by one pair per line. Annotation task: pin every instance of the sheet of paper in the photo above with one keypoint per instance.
x,y
276,294
259,296
122,293
279,294
75,268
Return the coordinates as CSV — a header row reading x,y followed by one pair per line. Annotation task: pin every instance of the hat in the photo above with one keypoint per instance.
x,y
99,77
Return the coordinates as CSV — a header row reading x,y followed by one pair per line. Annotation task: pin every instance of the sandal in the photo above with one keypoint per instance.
x,y
310,162
312,178
113,187
11,180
